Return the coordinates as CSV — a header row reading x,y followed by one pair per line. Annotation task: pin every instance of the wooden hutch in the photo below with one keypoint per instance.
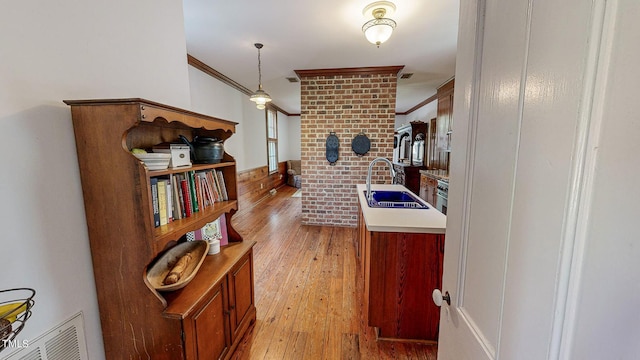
x,y
408,169
207,318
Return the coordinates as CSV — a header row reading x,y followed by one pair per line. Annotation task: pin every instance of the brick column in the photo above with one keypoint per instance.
x,y
347,102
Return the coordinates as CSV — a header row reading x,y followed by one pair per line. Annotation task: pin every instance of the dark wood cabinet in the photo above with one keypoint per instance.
x,y
407,170
213,323
443,128
411,143
409,176
205,331
206,318
432,154
241,306
400,270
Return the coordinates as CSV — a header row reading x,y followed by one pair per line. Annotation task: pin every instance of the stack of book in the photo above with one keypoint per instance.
x,y
179,195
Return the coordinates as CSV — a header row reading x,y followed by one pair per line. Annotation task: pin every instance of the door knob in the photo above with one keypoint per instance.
x,y
438,297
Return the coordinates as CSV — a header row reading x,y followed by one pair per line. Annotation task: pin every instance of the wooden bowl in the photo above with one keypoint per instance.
x,y
161,267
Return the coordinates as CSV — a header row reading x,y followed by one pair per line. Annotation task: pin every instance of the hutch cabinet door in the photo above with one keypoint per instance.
x,y
241,293
209,324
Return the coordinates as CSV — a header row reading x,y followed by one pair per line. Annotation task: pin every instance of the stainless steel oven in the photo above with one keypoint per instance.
x,y
442,195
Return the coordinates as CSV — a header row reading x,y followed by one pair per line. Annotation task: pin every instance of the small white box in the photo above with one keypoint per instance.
x,y
180,154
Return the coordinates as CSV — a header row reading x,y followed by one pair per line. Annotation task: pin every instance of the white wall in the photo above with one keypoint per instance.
x,y
249,145
424,113
288,137
212,97
604,302
69,50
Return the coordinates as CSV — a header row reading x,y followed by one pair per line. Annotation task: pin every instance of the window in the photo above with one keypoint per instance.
x,y
272,140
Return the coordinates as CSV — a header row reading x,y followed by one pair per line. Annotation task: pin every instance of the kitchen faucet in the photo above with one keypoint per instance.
x,y
391,171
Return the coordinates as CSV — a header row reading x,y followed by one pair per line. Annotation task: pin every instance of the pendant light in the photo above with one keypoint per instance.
x,y
260,97
379,29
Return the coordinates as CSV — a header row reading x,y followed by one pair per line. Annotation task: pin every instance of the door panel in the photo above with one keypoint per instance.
x,y
524,74
242,293
489,178
209,325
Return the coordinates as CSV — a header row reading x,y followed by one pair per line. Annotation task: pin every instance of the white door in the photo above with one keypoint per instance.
x,y
533,97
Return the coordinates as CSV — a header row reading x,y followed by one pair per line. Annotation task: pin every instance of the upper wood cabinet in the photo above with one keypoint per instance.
x,y
203,320
444,122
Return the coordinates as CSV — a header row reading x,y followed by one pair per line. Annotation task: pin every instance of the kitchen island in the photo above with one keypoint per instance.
x,y
401,252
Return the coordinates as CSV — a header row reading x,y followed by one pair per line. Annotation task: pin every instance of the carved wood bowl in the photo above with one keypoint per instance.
x,y
157,272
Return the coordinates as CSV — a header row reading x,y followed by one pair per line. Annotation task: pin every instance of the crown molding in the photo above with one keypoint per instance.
x,y
216,74
423,103
227,80
191,60
376,70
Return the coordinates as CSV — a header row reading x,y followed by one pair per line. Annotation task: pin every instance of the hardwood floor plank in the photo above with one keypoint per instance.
x,y
333,334
286,311
308,290
281,305
295,348
350,347
314,314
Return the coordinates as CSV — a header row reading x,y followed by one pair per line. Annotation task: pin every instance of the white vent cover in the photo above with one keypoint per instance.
x,y
64,342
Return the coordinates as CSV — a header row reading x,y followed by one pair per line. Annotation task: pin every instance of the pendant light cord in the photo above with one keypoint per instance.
x,y
259,67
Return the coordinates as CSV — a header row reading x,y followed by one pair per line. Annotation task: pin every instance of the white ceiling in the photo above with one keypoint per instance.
x,y
305,35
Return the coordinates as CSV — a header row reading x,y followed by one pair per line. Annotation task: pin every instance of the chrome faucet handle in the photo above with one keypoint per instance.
x,y
391,171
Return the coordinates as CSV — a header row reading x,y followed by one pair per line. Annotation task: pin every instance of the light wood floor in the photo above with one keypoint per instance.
x,y
308,291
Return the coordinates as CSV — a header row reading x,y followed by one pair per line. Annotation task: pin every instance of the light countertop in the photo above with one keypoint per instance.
x,y
436,174
426,221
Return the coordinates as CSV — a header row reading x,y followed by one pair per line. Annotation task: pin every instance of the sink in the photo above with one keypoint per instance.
x,y
394,199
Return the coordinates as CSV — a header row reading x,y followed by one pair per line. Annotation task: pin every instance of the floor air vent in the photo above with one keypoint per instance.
x,y
64,342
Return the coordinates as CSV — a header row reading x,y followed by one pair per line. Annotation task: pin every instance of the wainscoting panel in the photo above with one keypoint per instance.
x,y
255,184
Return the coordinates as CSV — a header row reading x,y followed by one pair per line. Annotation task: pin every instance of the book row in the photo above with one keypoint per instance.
x,y
178,196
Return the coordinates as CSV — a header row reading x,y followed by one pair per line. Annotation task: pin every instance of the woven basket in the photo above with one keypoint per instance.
x,y
16,305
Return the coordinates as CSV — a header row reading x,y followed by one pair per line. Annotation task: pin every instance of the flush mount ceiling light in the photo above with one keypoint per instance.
x,y
260,97
379,29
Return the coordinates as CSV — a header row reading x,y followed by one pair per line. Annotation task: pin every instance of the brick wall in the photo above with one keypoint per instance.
x,y
347,102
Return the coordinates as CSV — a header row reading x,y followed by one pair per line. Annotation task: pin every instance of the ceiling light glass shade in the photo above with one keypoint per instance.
x,y
260,97
377,31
